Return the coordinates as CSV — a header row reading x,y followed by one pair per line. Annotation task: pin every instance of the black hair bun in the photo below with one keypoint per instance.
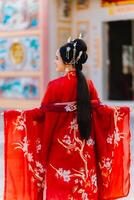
x,y
81,46
80,53
83,58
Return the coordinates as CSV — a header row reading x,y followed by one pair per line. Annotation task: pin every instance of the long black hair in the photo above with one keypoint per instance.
x,y
75,53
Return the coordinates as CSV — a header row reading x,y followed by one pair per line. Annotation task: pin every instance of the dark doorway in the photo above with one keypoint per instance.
x,y
120,84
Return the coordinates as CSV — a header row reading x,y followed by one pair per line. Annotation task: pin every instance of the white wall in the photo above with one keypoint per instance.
x,y
96,67
52,25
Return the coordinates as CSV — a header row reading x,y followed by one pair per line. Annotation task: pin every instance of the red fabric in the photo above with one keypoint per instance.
x,y
43,150
105,2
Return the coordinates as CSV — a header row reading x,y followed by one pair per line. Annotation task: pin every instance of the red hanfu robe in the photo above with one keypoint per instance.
x,y
46,159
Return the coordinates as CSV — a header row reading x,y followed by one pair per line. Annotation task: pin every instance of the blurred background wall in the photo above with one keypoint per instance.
x,y
32,30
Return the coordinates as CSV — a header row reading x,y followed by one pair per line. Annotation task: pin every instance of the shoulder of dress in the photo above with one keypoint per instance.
x,y
90,83
54,81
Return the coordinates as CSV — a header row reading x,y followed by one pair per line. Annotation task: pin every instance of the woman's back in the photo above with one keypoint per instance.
x,y
70,161
64,89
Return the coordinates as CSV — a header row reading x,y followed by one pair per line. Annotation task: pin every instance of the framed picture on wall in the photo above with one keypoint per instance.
x,y
18,14
20,53
20,88
62,35
83,29
64,10
82,4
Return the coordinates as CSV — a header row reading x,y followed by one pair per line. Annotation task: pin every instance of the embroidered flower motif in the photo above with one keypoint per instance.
x,y
110,139
107,163
30,157
90,142
40,166
65,174
76,181
19,124
36,172
83,178
87,155
23,145
38,145
84,196
67,139
106,169
117,117
20,127
94,180
73,124
38,148
118,137
70,107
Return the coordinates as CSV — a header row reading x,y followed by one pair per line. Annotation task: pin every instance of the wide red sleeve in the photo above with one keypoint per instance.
x,y
48,96
26,144
112,135
24,164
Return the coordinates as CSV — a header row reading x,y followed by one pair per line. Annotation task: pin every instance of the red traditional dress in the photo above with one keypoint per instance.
x,y
46,159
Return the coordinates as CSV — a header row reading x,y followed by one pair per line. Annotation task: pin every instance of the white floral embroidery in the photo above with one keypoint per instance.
x,y
64,173
37,172
30,157
94,179
107,163
82,177
20,127
40,166
23,145
76,181
86,155
38,148
73,124
67,139
90,142
20,122
84,196
38,145
117,134
118,137
110,139
106,168
70,107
